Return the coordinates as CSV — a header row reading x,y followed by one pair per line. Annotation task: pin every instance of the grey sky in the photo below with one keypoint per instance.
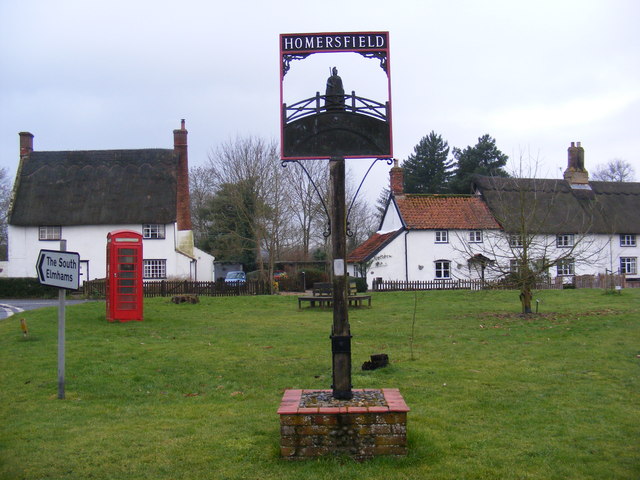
x,y
82,74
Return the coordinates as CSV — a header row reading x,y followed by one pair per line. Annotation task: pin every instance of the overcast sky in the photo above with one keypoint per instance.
x,y
82,74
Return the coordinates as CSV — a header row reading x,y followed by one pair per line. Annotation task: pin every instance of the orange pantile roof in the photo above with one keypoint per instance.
x,y
463,212
371,246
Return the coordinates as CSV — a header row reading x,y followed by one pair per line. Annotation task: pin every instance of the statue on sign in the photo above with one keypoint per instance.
x,y
335,92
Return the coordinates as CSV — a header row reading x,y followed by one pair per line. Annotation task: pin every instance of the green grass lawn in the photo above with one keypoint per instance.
x,y
192,391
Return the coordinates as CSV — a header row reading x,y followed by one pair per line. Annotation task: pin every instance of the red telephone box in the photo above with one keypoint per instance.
x,y
124,276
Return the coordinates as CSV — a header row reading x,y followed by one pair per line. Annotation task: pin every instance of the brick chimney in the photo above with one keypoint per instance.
x,y
396,179
575,172
183,204
26,144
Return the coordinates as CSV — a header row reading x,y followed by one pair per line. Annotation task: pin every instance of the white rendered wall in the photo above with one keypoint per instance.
x,y
594,254
90,242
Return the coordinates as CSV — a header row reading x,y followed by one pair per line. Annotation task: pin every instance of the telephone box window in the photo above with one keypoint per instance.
x,y
153,230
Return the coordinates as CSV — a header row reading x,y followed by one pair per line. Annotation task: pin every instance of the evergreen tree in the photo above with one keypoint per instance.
x,y
428,169
232,214
381,205
483,159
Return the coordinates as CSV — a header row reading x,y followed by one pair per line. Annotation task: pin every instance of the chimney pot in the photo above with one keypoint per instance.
x,y
396,179
26,143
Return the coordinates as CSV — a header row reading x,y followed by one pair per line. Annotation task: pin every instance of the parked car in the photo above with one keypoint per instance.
x,y
235,278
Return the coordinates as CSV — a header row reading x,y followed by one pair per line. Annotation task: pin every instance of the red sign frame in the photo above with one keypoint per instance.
x,y
295,47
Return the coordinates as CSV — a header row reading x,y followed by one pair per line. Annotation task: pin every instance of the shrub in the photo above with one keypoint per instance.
x,y
25,288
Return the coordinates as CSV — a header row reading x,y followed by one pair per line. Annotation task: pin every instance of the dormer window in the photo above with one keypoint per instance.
x,y
515,241
564,240
153,230
627,240
50,232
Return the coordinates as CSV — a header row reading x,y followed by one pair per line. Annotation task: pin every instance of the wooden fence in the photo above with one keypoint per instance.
x,y
582,281
168,288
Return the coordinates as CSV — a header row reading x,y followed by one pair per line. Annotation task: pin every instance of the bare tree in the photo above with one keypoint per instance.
x,y
252,164
202,184
544,225
616,170
5,198
307,214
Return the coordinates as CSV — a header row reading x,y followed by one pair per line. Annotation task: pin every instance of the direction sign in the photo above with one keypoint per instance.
x,y
59,269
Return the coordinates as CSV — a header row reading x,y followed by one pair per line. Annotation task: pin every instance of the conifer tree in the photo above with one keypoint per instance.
x,y
428,169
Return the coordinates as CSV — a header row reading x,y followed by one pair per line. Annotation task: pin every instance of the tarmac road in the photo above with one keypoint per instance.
x,y
11,307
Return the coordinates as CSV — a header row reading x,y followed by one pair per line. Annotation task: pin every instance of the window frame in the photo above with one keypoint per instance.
x,y
566,267
154,231
51,233
477,236
565,240
628,240
148,269
441,234
441,267
630,265
516,240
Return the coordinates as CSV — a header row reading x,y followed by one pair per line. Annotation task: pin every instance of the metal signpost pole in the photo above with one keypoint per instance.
x,y
61,327
340,332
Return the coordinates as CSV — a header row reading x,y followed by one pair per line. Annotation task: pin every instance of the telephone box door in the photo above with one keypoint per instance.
x,y
124,276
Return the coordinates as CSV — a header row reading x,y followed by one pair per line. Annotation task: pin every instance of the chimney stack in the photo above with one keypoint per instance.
x,y
26,143
576,173
183,213
396,179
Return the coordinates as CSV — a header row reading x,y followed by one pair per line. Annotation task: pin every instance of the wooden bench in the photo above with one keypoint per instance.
x,y
323,296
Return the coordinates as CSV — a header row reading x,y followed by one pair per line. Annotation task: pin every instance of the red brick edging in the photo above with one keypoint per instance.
x,y
359,432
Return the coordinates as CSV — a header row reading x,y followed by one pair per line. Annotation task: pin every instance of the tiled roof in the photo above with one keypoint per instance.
x,y
371,246
462,212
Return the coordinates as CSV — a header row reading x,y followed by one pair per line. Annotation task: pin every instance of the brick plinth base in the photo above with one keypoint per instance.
x,y
358,432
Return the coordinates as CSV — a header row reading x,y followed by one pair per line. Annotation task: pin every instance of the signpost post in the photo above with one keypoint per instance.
x,y
59,269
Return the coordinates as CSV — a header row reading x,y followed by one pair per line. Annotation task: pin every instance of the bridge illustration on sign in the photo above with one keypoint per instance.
x,y
336,124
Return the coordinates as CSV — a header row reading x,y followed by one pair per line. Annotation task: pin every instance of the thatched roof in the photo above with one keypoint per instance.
x,y
556,206
96,188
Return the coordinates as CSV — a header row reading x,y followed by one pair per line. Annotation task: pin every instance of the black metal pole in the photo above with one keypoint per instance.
x,y
340,332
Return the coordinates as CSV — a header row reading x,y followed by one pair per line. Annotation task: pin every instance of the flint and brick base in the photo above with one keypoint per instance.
x,y
358,432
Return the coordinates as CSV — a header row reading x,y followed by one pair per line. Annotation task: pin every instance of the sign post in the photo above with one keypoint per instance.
x,y
59,269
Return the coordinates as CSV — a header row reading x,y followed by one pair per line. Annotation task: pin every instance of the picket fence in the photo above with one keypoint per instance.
x,y
582,281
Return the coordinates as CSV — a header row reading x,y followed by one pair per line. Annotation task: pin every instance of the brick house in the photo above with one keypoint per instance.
x,y
80,196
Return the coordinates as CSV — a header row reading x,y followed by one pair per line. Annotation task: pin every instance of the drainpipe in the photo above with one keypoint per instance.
x,y
406,257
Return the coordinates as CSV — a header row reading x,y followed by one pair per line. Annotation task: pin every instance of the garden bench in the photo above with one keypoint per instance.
x,y
323,296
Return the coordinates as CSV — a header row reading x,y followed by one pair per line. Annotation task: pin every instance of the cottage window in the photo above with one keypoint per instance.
x,y
153,230
475,236
564,240
565,267
442,236
443,269
514,266
515,240
50,232
628,265
627,240
155,268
